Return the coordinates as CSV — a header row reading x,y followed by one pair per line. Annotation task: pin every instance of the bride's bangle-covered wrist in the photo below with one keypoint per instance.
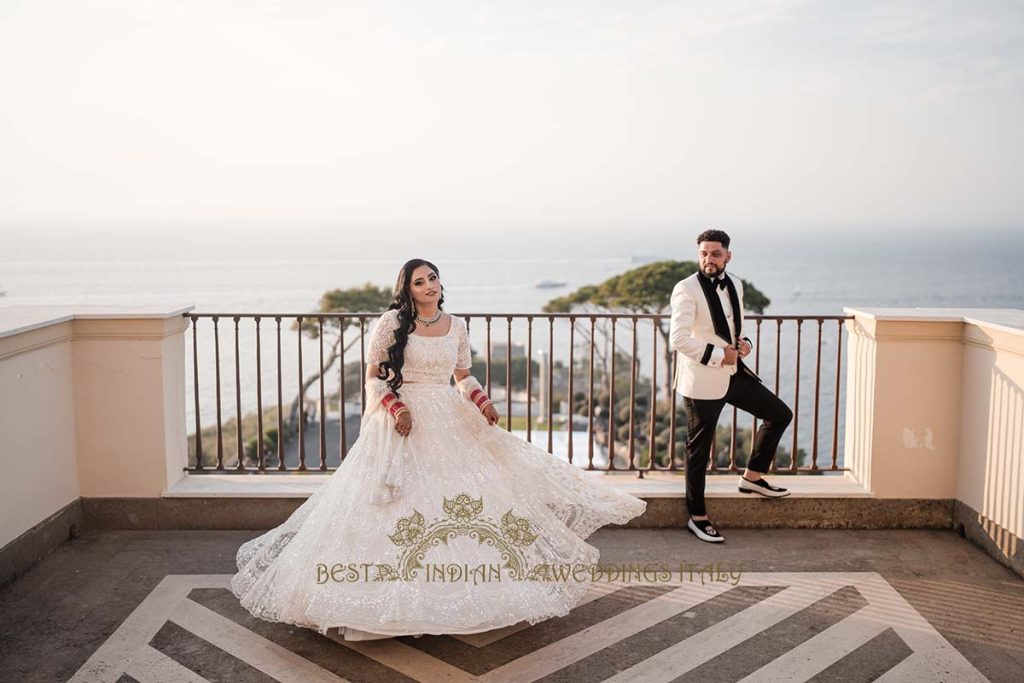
x,y
393,405
470,388
480,399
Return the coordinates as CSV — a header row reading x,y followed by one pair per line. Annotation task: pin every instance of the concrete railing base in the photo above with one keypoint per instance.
x,y
662,513
1003,545
803,513
21,554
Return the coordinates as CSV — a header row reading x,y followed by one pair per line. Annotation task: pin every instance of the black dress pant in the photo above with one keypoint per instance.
x,y
747,393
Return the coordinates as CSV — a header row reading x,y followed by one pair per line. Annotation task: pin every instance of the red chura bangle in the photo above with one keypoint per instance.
x,y
393,405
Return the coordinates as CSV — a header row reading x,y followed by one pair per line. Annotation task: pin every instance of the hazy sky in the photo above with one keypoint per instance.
x,y
578,115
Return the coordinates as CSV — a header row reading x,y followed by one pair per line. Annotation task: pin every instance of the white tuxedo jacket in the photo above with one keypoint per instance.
x,y
700,330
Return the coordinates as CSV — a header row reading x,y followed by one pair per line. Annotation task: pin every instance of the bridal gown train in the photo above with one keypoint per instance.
x,y
457,494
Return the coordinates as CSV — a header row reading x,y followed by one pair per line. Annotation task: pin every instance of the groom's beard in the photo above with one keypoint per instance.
x,y
717,271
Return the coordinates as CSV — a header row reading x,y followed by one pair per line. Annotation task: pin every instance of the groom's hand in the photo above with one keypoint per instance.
x,y
730,355
744,348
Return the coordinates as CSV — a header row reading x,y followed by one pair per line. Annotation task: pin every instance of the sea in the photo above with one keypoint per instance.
x,y
803,272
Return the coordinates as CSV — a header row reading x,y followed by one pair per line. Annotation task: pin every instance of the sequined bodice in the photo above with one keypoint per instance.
x,y
428,360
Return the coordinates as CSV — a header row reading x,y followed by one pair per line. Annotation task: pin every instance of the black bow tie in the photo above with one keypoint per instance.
x,y
720,283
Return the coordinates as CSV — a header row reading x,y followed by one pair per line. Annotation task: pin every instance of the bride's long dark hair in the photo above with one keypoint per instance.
x,y
406,322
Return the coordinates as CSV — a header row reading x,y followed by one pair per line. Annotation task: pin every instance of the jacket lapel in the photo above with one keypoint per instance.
x,y
734,299
715,305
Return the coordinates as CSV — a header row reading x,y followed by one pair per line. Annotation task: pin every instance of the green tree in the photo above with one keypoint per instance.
x,y
250,431
498,371
366,298
645,290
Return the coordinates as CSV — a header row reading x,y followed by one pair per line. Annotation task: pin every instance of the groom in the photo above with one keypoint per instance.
x,y
706,330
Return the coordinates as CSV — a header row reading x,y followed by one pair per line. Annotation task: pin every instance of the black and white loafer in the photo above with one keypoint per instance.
x,y
762,487
703,530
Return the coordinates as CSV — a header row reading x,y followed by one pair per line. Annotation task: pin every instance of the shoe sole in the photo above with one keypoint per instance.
x,y
765,495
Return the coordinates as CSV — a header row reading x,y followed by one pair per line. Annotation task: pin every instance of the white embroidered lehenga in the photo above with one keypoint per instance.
x,y
460,527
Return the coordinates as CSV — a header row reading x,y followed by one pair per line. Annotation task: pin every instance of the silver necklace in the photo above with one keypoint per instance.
x,y
431,321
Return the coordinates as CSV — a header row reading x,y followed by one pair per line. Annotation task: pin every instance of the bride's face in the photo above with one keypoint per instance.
x,y
424,287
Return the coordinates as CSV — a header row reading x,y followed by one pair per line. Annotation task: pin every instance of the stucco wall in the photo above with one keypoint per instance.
x,y
37,425
91,405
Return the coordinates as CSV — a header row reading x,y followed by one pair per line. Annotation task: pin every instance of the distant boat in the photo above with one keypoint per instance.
x,y
549,284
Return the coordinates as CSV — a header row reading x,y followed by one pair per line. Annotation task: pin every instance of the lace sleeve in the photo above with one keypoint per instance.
x,y
381,339
464,359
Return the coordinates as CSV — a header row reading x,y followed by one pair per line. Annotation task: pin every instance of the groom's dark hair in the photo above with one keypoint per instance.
x,y
714,236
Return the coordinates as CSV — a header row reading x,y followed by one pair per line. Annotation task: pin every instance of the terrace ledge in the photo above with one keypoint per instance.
x,y
653,485
1004,319
21,318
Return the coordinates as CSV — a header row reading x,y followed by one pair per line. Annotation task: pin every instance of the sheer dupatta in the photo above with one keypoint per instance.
x,y
379,428
377,424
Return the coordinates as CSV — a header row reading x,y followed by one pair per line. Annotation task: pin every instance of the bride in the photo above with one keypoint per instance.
x,y
437,521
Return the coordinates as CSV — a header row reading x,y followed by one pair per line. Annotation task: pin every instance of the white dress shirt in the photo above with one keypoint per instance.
x,y
723,295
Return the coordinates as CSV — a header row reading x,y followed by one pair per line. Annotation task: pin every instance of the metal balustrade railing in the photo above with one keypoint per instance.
x,y
622,433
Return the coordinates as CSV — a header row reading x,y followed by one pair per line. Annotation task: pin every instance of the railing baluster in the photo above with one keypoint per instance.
x,y
778,365
795,462
817,392
323,403
216,353
260,458
529,378
302,407
342,440
651,452
778,353
757,371
632,400
195,389
487,367
280,408
551,387
571,412
712,465
508,373
672,464
611,403
362,364
590,399
238,403
835,397
732,440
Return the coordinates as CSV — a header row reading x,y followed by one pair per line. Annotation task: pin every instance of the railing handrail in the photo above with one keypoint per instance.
x,y
578,315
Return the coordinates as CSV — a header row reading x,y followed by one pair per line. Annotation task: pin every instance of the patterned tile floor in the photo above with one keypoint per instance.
x,y
808,605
